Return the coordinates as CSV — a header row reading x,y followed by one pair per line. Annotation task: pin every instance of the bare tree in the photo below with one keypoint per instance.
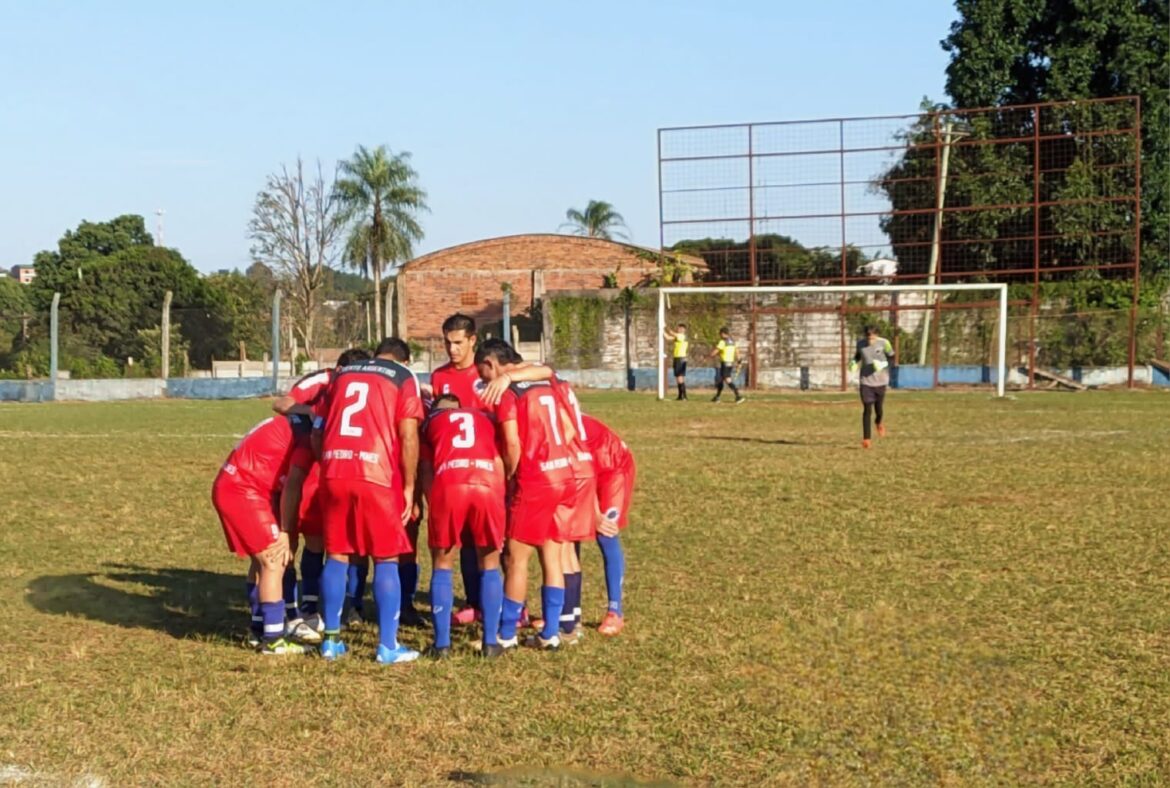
x,y
296,227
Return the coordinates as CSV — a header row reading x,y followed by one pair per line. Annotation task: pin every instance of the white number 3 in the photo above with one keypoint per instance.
x,y
466,437
361,391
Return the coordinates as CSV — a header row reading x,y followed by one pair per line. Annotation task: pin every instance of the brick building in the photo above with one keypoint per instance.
x,y
467,278
23,273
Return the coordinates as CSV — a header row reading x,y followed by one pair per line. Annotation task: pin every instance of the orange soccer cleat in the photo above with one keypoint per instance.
x,y
881,430
612,624
865,444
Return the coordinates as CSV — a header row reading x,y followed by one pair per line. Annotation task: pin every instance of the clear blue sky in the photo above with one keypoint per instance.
x,y
513,111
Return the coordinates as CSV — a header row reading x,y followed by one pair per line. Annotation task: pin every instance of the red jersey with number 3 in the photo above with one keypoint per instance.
x,y
546,457
460,445
260,461
463,383
362,409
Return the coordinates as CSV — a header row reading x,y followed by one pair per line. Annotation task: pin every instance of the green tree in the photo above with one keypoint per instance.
x,y
598,220
240,310
1021,51
381,197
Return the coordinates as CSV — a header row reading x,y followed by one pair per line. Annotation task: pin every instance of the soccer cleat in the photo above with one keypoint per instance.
x,y
536,623
509,643
865,443
298,629
881,430
716,398
333,649
354,619
281,647
492,651
463,616
612,624
254,640
537,642
409,617
436,653
394,656
740,400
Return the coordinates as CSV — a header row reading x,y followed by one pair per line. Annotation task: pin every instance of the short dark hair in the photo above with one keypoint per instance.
x,y
459,322
449,398
498,349
354,355
724,330
395,348
681,325
871,329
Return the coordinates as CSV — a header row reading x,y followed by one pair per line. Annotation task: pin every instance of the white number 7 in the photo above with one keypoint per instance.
x,y
361,391
550,404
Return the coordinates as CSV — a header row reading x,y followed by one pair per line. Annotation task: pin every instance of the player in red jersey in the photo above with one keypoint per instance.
x,y
544,458
303,508
462,476
614,463
244,494
460,377
369,457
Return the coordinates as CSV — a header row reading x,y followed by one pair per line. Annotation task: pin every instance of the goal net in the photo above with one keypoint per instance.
x,y
805,337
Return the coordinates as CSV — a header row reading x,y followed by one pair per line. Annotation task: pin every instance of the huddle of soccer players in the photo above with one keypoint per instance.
x,y
503,460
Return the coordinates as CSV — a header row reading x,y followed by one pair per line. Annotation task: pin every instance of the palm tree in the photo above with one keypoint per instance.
x,y
381,196
598,220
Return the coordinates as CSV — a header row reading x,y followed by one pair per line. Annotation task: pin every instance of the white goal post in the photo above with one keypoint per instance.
x,y
1000,288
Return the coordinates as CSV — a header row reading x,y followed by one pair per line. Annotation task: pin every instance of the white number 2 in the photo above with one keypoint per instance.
x,y
361,391
466,437
550,404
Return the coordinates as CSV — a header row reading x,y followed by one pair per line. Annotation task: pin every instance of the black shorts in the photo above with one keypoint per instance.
x,y
726,371
872,394
680,367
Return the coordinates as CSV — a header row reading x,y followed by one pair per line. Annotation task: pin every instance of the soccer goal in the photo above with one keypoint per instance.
x,y
804,336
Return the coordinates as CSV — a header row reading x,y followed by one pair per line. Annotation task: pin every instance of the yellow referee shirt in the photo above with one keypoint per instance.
x,y
681,345
726,352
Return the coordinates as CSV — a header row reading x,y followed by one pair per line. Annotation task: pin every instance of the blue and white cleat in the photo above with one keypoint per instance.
x,y
333,649
400,653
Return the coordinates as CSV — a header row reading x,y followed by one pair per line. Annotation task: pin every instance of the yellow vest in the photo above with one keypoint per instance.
x,y
726,352
680,347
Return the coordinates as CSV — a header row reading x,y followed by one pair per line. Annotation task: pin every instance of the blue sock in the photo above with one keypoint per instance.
x,y
510,618
355,584
257,621
289,585
333,594
615,569
442,598
388,595
273,615
311,564
469,569
552,602
491,594
408,580
572,600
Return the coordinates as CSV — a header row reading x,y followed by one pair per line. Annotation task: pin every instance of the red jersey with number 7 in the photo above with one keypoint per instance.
x,y
546,456
362,409
460,445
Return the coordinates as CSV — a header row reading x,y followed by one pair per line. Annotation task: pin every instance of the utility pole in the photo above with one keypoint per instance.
x,y
166,335
160,213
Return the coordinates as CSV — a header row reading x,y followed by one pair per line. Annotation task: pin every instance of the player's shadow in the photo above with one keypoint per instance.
x,y
749,439
183,603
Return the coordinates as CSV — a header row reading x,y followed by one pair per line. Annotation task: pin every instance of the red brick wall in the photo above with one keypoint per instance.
x,y
467,278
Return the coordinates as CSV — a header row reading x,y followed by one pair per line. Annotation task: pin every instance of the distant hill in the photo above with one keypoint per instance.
x,y
343,283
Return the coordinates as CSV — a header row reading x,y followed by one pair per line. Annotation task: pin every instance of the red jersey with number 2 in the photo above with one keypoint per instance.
x,y
363,406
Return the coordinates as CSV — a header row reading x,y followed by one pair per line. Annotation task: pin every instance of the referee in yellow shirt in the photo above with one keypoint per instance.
x,y
679,356
727,352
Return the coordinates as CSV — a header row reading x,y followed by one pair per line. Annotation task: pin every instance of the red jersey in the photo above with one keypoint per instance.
x,y
610,453
361,412
460,444
261,460
546,457
463,383
309,389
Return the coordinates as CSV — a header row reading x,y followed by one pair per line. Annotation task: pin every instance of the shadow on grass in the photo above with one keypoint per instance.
x,y
747,439
538,776
183,603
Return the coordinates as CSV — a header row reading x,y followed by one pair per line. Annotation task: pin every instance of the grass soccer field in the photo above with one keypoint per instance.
x,y
981,598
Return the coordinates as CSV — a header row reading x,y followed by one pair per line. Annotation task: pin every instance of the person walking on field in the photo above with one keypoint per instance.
x,y
727,352
874,356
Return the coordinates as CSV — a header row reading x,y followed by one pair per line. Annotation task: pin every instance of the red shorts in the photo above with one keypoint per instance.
x,y
474,509
309,521
250,521
362,518
614,491
539,513
576,520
